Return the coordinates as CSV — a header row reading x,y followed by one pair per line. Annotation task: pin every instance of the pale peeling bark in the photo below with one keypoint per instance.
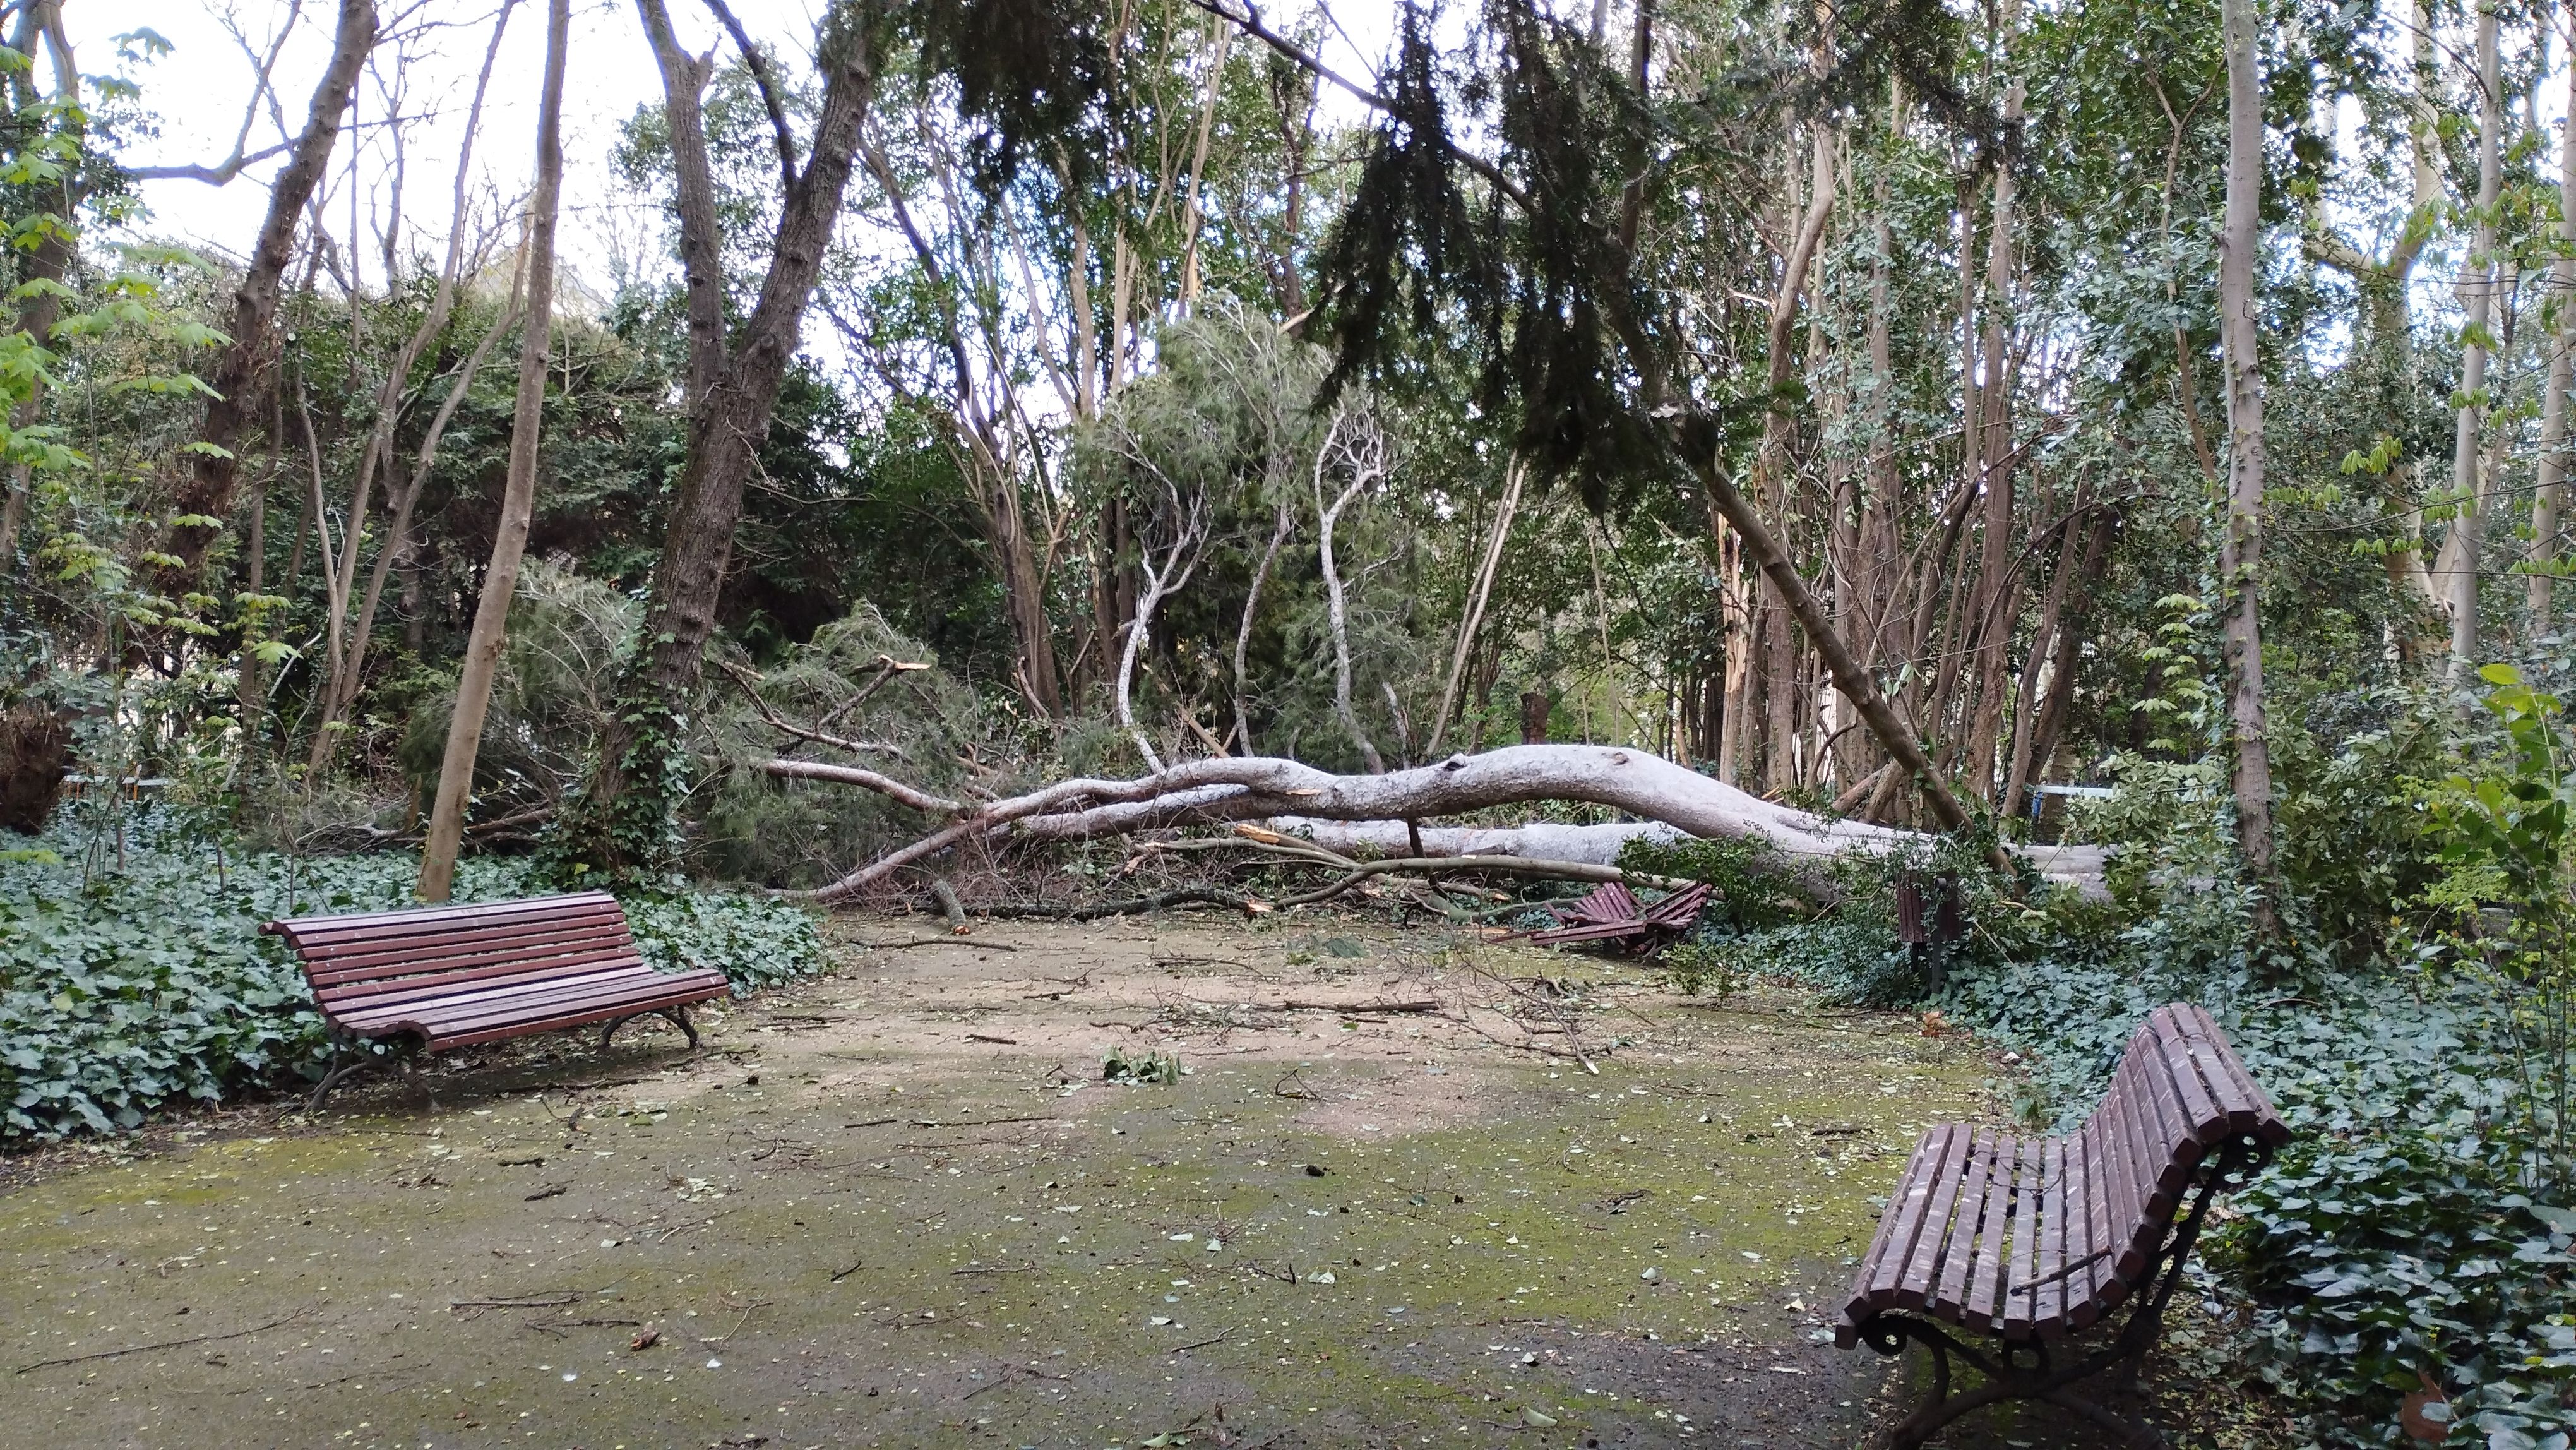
x,y
1295,796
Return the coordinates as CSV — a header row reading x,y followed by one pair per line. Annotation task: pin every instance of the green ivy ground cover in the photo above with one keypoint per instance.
x,y
127,987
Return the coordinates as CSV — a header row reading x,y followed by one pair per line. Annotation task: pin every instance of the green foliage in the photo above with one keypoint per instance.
x,y
129,989
2506,895
1749,885
1148,1070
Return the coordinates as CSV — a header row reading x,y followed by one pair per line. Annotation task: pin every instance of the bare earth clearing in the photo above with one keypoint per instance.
x,y
895,1206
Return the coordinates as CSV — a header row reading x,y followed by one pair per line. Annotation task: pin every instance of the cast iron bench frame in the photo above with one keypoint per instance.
x,y
452,976
1978,1237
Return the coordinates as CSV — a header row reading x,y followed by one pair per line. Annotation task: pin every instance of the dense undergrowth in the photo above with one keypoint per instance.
x,y
133,976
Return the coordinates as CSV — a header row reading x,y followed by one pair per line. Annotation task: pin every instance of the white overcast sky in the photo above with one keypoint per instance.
x,y
200,90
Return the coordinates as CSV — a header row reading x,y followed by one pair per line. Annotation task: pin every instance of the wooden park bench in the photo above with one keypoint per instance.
x,y
452,976
1611,912
1997,1249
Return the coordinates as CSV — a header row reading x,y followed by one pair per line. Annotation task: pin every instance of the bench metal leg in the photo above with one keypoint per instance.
x,y
676,1016
350,1056
2045,1377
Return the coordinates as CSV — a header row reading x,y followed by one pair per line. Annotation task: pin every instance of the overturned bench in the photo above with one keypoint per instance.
x,y
1611,912
1998,1250
452,976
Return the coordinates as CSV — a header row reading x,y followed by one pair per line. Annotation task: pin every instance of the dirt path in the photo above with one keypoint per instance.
x,y
895,1206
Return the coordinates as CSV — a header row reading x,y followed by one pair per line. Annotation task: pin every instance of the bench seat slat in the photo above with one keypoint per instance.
x,y
415,952
1954,1242
443,1022
1899,1224
1986,1260
462,964
568,1017
2019,1311
359,994
497,986
323,930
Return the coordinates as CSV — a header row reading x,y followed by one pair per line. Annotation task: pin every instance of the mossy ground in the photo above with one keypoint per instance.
x,y
853,1225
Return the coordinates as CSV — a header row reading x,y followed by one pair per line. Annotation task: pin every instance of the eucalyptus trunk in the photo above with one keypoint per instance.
x,y
2240,564
2461,552
483,646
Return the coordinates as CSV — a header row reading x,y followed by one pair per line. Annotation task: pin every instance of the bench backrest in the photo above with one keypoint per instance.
x,y
2179,1093
385,958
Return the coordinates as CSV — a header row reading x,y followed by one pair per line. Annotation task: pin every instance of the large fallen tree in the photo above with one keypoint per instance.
x,y
1383,812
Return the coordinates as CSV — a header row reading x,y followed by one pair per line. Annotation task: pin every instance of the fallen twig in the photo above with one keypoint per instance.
x,y
988,1037
164,1344
547,1301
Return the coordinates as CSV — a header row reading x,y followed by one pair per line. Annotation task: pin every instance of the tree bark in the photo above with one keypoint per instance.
x,y
483,646
1367,464
2461,551
1849,676
1477,592
1243,631
2560,329
212,473
50,255
1990,621
1771,467
1375,807
732,389
2240,563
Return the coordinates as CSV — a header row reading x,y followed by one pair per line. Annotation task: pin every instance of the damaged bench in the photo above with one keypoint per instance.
x,y
1998,1250
438,977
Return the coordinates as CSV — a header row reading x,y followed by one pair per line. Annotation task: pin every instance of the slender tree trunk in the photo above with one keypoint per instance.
x,y
2560,328
206,484
482,662
2240,564
2461,552
1363,474
1243,632
1476,596
1849,677
342,666
346,674
628,811
2043,655
1990,622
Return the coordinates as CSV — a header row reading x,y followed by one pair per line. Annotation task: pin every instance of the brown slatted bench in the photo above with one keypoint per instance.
x,y
1611,912
2024,1242
451,976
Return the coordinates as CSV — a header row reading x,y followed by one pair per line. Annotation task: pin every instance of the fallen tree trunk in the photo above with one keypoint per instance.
x,y
1224,790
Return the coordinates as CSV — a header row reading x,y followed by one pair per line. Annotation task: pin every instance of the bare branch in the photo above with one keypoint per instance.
x,y
758,62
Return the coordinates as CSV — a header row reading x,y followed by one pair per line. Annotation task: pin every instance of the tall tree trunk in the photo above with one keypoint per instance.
x,y
1990,621
1771,473
342,664
205,488
1243,632
2560,329
42,264
483,645
2461,552
1365,472
629,812
2240,563
1477,593
2044,653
